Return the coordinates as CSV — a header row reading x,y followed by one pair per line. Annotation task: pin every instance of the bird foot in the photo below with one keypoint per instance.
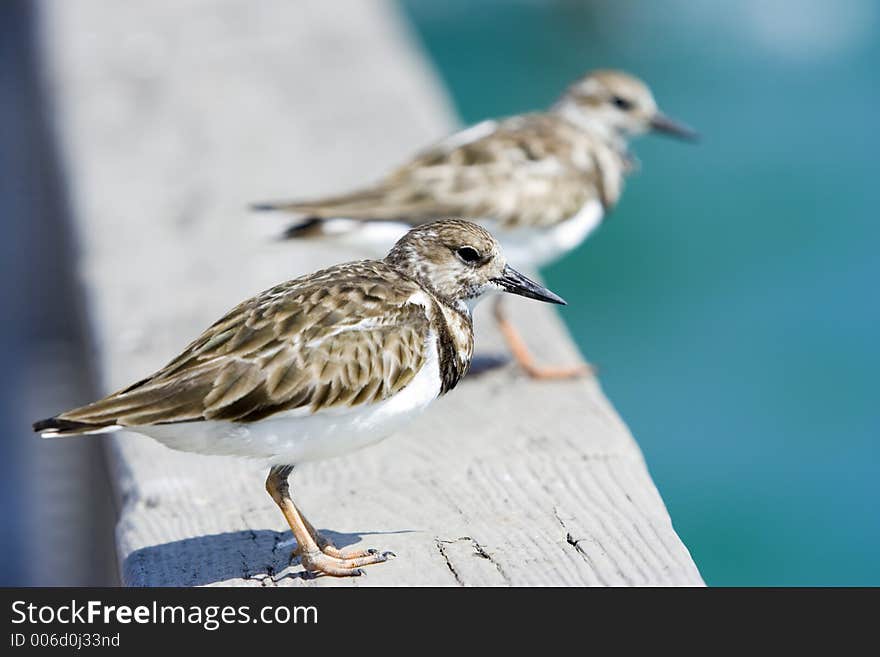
x,y
326,546
526,361
557,373
320,563
318,554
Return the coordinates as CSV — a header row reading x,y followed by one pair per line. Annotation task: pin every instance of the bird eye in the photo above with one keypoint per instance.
x,y
621,103
468,254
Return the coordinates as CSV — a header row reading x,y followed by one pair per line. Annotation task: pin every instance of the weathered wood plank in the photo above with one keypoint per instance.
x,y
172,116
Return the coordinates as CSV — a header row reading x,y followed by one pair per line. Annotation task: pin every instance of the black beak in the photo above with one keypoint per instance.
x,y
515,283
662,123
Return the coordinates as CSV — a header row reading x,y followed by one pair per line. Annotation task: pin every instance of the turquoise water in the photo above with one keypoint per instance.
x,y
731,299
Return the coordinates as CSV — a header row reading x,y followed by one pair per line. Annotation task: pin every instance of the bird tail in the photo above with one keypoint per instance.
x,y
149,401
319,219
319,227
339,216
360,204
55,427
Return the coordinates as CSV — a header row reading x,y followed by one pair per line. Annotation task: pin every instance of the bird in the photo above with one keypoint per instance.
x,y
541,182
320,366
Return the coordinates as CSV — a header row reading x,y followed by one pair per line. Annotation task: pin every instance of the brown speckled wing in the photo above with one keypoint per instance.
x,y
338,338
531,170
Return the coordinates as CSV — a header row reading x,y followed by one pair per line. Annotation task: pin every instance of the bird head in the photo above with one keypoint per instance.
x,y
461,262
617,106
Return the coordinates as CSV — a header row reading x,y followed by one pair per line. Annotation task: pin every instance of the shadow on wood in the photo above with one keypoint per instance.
x,y
261,555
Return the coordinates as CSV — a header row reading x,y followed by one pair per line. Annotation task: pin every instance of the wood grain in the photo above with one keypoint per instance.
x,y
172,117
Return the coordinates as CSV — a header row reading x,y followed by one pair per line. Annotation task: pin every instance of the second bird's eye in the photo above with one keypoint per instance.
x,y
468,254
621,103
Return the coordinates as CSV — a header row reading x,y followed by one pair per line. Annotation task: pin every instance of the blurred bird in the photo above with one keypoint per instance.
x,y
540,182
319,366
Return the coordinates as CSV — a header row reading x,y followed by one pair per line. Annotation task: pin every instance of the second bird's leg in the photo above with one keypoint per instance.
x,y
313,558
523,356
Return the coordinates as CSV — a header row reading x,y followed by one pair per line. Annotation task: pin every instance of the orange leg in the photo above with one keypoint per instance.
x,y
314,559
326,545
524,358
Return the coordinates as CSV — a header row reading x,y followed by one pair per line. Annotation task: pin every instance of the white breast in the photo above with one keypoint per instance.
x,y
299,436
535,247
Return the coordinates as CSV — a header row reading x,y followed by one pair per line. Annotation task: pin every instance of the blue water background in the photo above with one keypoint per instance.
x,y
731,300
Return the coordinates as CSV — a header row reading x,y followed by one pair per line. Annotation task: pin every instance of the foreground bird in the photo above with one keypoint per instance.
x,y
540,182
320,366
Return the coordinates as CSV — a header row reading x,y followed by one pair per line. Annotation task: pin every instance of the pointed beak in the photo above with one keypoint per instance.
x,y
515,283
662,123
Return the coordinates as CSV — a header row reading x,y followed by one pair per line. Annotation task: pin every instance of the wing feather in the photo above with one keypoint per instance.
x,y
343,337
529,170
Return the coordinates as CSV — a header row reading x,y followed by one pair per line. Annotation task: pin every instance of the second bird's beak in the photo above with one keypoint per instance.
x,y
515,283
662,123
